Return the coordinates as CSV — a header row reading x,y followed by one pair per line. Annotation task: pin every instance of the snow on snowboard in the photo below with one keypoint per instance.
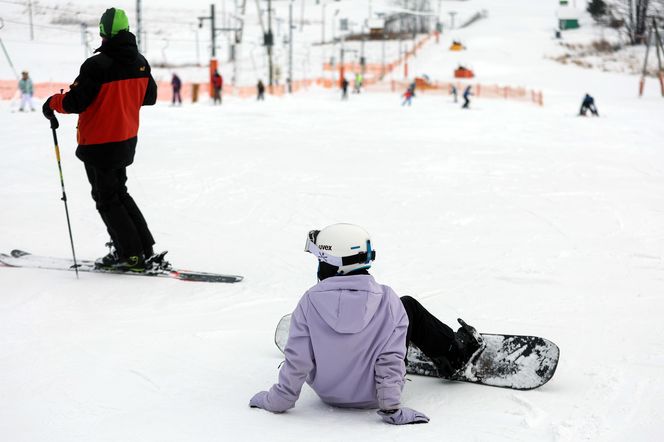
x,y
509,361
19,258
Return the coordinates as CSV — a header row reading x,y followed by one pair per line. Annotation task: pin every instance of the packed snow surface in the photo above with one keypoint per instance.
x,y
518,218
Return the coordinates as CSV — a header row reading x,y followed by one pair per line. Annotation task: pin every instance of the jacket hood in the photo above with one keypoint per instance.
x,y
347,303
122,47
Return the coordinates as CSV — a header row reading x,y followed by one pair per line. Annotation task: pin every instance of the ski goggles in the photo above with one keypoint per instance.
x,y
337,261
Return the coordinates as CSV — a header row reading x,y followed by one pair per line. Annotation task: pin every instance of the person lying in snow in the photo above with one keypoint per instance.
x,y
348,335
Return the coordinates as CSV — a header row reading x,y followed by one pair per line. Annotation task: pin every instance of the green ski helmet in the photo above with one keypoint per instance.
x,y
113,21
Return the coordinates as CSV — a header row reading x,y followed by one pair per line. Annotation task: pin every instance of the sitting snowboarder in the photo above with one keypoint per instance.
x,y
588,104
348,335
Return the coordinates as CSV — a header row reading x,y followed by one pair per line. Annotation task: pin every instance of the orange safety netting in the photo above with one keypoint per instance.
x,y
478,90
374,74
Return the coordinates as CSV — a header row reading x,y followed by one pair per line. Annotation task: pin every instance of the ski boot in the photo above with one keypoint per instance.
x,y
109,259
113,261
135,263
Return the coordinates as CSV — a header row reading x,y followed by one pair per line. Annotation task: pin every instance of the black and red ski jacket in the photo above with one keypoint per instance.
x,y
108,94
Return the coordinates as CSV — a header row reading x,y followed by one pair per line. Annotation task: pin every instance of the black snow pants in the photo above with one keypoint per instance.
x,y
122,217
434,338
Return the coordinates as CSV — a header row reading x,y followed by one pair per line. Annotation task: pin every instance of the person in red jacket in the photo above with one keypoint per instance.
x,y
108,94
217,84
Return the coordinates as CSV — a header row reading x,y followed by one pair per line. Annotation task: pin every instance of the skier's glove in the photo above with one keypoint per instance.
x,y
50,114
403,416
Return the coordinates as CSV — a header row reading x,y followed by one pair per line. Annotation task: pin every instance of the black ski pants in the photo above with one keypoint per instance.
x,y
429,334
122,217
590,107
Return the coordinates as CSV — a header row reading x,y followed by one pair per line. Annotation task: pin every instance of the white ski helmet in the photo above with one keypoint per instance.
x,y
342,245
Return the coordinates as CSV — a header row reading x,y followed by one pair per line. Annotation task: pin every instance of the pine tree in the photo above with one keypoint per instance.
x,y
597,8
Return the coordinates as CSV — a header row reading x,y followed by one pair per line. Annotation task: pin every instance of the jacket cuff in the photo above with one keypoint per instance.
x,y
56,103
276,403
389,398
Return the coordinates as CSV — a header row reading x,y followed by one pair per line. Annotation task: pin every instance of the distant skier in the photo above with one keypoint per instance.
x,y
348,335
26,88
466,97
176,83
260,88
217,86
108,94
588,104
408,96
453,92
357,88
344,89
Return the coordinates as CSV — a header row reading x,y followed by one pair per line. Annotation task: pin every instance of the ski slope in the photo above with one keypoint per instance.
x,y
517,218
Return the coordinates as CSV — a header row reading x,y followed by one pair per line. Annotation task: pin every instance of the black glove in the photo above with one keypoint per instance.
x,y
46,109
50,114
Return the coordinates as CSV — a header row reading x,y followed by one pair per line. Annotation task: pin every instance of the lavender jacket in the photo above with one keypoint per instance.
x,y
347,340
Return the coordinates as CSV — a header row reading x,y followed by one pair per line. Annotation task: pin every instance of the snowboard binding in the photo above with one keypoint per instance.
x,y
470,343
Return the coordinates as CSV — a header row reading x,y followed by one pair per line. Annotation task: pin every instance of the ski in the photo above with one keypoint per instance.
x,y
20,258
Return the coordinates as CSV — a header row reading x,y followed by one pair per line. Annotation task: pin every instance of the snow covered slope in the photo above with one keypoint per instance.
x,y
517,218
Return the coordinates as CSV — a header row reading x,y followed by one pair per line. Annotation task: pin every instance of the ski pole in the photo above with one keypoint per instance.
x,y
54,126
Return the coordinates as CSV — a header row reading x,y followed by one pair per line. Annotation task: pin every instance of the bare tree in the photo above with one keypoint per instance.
x,y
416,20
635,15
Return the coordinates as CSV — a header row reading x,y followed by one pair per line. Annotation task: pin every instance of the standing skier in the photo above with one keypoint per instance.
x,y
344,89
217,85
260,90
348,335
108,94
466,97
408,96
359,79
26,88
176,84
453,92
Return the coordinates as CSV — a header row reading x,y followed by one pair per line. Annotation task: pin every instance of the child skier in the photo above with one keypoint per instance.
x,y
348,335
26,88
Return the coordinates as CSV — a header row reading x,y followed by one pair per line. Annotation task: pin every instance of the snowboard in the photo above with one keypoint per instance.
x,y
19,258
508,361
